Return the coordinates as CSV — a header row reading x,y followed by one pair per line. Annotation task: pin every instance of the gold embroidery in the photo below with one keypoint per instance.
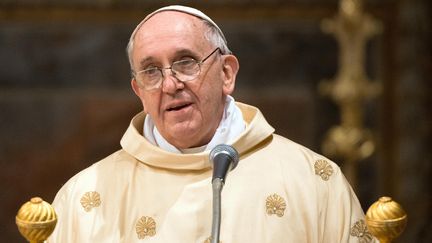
x,y
146,226
323,169
275,204
360,230
90,200
208,240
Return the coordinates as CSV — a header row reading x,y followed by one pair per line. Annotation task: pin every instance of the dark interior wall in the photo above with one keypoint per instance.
x,y
65,98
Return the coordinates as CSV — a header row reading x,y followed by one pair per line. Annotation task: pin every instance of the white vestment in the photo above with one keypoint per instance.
x,y
279,192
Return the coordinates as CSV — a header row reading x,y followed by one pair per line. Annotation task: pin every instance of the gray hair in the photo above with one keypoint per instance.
x,y
212,34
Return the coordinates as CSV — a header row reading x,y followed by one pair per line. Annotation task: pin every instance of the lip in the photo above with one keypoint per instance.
x,y
177,106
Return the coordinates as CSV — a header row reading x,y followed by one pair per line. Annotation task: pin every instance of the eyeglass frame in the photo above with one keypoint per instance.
x,y
173,72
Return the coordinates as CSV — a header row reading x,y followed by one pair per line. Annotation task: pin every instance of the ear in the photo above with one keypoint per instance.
x,y
230,69
138,91
136,87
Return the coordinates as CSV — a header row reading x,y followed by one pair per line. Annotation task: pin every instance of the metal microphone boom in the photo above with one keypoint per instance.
x,y
224,158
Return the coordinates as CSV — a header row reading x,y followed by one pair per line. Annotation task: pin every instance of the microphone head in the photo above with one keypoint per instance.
x,y
228,150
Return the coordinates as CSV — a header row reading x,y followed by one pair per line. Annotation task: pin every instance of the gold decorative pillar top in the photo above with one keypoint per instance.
x,y
36,220
386,219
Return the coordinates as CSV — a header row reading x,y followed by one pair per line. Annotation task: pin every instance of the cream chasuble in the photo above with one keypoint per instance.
x,y
280,192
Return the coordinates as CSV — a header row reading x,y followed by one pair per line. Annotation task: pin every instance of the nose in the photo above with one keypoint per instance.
x,y
170,83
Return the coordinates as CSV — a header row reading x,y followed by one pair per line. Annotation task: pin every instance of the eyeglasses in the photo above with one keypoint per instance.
x,y
183,70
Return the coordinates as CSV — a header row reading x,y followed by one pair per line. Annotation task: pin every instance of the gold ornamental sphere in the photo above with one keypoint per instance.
x,y
386,219
36,220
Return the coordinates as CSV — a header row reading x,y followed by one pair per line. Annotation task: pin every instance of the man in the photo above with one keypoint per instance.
x,y
157,188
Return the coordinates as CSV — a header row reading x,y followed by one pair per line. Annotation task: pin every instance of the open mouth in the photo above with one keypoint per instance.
x,y
177,108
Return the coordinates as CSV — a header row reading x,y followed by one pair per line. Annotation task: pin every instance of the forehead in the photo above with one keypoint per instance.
x,y
170,30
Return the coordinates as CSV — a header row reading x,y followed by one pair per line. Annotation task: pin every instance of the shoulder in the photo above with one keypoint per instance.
x,y
102,168
305,168
98,174
91,195
292,155
284,161
310,186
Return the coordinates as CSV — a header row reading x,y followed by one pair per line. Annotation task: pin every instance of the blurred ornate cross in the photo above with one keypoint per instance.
x,y
350,141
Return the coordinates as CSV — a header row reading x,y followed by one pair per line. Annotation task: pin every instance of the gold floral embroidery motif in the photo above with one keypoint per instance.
x,y
275,204
90,200
209,240
146,226
360,230
323,169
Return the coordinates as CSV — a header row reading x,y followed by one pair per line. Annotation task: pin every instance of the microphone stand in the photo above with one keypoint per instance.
x,y
217,185
224,158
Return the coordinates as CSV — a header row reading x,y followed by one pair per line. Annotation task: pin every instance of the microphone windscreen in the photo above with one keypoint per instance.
x,y
225,149
223,158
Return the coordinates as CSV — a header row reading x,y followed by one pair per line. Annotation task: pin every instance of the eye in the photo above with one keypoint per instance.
x,y
151,72
184,66
149,76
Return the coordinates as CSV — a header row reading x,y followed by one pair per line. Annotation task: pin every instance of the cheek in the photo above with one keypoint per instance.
x,y
211,101
209,95
150,104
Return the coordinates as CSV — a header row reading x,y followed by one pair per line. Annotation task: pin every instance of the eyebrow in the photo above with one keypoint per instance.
x,y
177,54
184,52
144,62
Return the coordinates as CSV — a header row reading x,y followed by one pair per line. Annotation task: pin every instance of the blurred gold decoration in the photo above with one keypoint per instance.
x,y
350,140
36,220
386,219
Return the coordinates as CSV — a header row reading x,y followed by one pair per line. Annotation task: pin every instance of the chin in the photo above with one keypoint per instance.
x,y
184,137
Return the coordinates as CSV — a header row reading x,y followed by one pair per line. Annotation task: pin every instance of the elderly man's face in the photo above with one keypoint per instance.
x,y
186,114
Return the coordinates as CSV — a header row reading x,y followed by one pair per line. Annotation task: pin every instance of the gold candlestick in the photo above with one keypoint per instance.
x,y
386,219
36,220
350,140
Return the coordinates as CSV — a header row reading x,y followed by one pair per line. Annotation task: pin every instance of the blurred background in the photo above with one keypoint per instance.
x,y
65,96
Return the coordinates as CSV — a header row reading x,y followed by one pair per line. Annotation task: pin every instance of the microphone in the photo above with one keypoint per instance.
x,y
224,158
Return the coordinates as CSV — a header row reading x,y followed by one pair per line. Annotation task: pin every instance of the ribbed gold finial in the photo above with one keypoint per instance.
x,y
386,219
36,220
